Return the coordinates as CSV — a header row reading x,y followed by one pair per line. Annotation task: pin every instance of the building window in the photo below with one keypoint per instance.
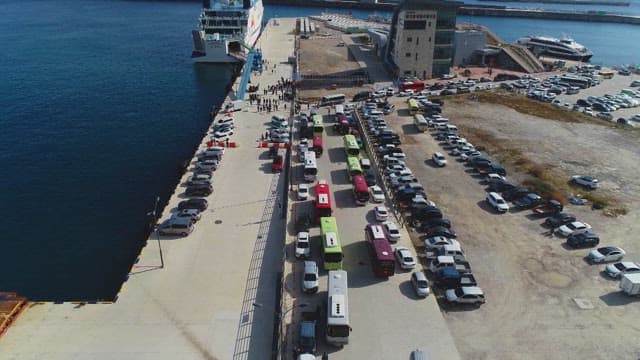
x,y
417,41
407,72
429,24
409,39
415,25
407,55
416,56
429,38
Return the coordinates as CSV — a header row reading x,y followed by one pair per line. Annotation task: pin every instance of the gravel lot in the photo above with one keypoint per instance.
x,y
533,284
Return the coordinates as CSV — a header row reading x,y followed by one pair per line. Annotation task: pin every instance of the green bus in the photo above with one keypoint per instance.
x,y
351,146
318,127
331,249
353,166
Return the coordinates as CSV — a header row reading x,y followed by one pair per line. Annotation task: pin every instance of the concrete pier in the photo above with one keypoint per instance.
x,y
215,297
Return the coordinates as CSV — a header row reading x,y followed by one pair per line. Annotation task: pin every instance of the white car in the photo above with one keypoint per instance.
x,y
497,202
303,245
303,191
575,227
381,212
606,254
439,159
377,195
223,133
620,268
465,295
494,177
405,258
420,284
393,168
437,242
586,181
310,277
392,230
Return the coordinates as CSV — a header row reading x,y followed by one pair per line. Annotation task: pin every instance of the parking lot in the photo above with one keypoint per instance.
x,y
543,300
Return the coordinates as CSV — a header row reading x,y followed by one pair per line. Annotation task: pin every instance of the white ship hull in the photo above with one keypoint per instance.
x,y
212,49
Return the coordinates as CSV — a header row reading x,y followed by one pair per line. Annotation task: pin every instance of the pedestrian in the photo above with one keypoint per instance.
x,y
266,135
261,137
285,106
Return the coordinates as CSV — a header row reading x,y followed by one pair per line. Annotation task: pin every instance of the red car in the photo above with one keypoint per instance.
x,y
277,164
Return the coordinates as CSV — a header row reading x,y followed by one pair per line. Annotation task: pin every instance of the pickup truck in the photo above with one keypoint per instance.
x,y
450,278
442,262
447,250
550,208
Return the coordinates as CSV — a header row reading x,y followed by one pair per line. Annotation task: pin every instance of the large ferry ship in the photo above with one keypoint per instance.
x,y
226,28
564,48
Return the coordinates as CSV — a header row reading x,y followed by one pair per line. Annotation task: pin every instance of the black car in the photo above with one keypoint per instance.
x,y
583,240
384,140
438,222
195,203
199,190
369,177
477,160
515,193
528,201
441,231
559,219
501,186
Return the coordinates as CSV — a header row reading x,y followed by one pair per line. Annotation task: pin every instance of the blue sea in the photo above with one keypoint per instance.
x,y
100,105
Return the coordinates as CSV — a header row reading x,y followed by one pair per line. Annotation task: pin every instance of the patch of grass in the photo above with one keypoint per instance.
x,y
524,105
543,179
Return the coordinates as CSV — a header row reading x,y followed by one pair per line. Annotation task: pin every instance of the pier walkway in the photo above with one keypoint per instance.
x,y
215,297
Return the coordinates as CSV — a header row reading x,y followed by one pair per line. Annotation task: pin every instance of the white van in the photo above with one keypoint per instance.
x,y
365,163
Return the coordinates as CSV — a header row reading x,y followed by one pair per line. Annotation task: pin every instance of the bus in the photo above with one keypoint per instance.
x,y
360,190
332,99
351,146
416,86
420,122
414,108
317,145
338,328
582,82
382,260
310,166
353,166
318,127
323,200
331,249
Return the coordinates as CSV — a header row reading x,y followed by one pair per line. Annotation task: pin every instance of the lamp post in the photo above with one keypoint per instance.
x,y
154,213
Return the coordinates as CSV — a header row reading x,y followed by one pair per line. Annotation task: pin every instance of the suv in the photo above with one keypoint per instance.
x,y
176,226
465,295
199,190
303,246
439,159
196,203
497,202
582,240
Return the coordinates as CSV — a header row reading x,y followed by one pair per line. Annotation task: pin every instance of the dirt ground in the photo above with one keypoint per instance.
x,y
534,285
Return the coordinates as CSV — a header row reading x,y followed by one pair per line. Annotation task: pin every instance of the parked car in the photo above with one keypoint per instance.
x,y
586,181
405,258
620,268
377,195
310,277
207,165
199,204
381,213
441,231
437,242
303,245
583,239
559,219
199,190
606,254
497,202
420,283
176,226
392,230
193,214
439,159
465,295
303,191
528,201
500,186
575,227
369,177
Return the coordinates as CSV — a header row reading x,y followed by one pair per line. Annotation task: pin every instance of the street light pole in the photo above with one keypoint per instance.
x,y
155,228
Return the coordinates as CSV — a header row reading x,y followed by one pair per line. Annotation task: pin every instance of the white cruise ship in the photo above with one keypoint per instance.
x,y
225,29
565,48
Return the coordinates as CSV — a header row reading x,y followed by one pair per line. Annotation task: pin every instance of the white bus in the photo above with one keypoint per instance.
x,y
332,99
421,123
310,166
338,328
